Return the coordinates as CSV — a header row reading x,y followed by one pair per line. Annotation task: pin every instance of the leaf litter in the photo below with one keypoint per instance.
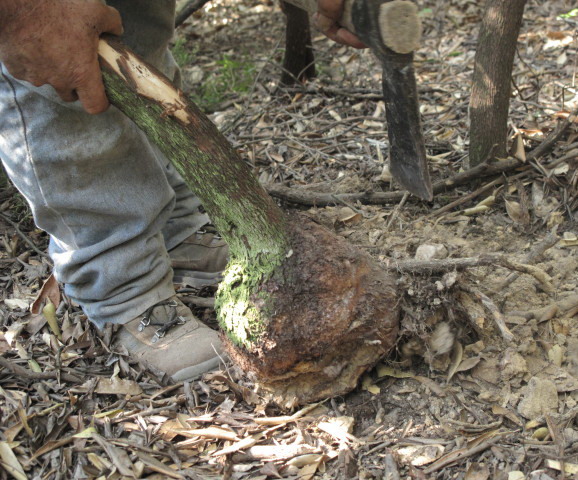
x,y
484,381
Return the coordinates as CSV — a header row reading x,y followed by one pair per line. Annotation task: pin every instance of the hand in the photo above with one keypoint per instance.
x,y
326,18
55,42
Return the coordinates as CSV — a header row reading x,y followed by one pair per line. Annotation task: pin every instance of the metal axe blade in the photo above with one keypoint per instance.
x,y
392,30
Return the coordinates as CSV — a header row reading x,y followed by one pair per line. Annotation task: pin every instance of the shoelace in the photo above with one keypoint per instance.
x,y
174,320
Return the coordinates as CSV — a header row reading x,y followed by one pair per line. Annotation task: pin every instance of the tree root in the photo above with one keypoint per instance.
x,y
334,315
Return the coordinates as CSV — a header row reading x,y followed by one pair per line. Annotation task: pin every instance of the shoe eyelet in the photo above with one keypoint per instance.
x,y
145,322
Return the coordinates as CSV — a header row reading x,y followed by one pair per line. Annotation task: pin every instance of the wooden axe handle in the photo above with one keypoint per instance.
x,y
399,23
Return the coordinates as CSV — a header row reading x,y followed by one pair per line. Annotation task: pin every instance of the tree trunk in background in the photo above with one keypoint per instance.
x,y
299,62
304,310
491,89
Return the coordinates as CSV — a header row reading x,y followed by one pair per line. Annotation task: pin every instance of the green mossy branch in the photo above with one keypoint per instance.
x,y
247,218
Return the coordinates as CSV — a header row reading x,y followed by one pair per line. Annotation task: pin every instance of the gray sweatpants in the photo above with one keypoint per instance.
x,y
110,201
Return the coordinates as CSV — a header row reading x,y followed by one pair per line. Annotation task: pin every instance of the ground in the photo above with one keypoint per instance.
x,y
459,398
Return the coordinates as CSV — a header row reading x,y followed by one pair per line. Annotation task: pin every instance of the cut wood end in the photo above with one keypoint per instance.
x,y
148,83
400,26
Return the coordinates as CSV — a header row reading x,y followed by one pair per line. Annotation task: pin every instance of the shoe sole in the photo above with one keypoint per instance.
x,y
195,371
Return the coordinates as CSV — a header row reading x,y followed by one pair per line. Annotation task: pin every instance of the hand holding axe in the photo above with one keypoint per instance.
x,y
392,30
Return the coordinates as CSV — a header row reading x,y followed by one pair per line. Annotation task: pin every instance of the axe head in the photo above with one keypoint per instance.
x,y
408,163
375,22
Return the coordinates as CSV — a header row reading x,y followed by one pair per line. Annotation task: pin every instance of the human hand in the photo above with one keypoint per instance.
x,y
55,42
328,14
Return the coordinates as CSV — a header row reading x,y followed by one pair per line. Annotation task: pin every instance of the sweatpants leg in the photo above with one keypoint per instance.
x,y
104,194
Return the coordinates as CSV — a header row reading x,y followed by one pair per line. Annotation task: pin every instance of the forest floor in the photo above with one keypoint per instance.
x,y
484,381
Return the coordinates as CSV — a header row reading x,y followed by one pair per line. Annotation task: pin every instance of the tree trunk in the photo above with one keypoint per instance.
x,y
299,61
301,308
491,87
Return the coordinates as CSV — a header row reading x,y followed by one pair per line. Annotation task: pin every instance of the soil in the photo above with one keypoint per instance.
x,y
483,382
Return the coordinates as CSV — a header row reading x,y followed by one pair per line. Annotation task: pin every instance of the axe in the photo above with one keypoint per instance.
x,y
392,30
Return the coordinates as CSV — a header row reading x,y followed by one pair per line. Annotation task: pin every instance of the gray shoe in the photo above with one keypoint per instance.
x,y
169,338
200,260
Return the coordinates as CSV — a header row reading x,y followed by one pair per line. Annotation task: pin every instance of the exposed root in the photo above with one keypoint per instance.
x,y
331,314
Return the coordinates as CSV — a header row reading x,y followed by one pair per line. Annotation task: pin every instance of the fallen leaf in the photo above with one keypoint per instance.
x,y
499,410
477,471
556,355
569,239
270,470
49,312
367,384
100,463
117,456
568,468
86,433
117,386
303,460
516,212
387,371
457,355
468,364
308,471
10,463
4,346
520,152
16,304
420,455
49,291
541,433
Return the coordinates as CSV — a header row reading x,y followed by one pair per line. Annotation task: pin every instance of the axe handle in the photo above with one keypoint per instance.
x,y
399,23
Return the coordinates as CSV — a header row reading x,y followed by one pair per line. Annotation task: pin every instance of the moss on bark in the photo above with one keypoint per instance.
x,y
245,215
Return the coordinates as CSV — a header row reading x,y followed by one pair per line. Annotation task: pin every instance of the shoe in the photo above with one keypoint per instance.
x,y
169,338
200,260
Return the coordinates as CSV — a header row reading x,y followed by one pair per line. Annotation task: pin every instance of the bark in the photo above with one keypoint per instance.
x,y
492,79
299,61
299,307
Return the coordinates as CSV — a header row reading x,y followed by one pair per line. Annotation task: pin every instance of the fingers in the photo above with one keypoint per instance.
x,y
89,86
330,9
109,21
330,28
90,90
345,37
67,95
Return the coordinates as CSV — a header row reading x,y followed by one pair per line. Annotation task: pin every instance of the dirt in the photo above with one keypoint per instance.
x,y
460,397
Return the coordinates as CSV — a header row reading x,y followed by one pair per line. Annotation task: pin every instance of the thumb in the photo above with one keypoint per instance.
x,y
109,21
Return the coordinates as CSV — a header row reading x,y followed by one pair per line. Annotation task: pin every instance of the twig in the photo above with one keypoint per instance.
x,y
390,467
147,413
447,264
24,237
466,198
379,198
29,375
493,309
395,212
459,454
548,242
347,204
